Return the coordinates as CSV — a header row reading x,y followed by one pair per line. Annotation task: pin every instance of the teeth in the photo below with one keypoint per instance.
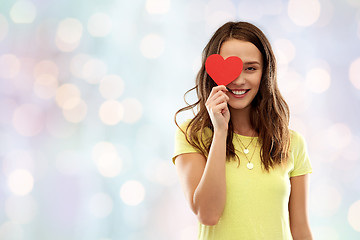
x,y
239,92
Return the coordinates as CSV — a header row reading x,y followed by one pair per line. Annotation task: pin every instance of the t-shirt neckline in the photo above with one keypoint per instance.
x,y
243,136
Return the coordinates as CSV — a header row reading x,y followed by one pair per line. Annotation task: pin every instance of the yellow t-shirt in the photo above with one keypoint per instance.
x,y
256,205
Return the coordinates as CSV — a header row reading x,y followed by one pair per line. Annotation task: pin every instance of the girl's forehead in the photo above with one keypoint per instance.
x,y
247,51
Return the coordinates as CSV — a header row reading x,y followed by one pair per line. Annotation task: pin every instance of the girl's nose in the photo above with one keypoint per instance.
x,y
240,79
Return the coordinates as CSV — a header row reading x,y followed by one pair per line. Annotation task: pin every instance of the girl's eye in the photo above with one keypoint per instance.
x,y
251,68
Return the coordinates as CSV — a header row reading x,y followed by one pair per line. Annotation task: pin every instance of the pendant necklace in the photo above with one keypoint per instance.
x,y
249,165
246,149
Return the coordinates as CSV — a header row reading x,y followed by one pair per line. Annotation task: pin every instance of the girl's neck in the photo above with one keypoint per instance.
x,y
240,119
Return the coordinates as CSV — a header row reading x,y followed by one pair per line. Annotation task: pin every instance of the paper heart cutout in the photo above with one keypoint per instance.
x,y
223,71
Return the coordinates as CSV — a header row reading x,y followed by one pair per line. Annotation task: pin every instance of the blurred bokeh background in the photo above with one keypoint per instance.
x,y
88,95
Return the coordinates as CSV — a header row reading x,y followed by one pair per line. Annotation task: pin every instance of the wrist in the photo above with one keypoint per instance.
x,y
221,132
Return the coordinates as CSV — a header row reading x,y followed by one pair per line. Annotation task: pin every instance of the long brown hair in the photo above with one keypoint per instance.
x,y
269,113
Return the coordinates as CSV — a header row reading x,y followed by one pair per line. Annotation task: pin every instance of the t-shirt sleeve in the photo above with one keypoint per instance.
x,y
181,145
302,163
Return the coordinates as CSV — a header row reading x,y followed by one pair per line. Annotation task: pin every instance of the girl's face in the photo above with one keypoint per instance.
x,y
246,86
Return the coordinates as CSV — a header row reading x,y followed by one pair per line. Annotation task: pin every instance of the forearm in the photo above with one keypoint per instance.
x,y
302,232
303,238
210,194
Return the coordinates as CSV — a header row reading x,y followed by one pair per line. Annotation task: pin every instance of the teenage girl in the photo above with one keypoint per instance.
x,y
244,173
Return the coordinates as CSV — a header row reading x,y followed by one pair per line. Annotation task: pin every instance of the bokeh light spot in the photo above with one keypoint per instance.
x,y
101,148
111,86
162,173
111,112
99,25
157,6
354,216
46,67
109,164
304,12
67,96
77,113
77,64
106,156
318,80
69,30
285,49
132,192
21,182
296,94
68,35
290,82
152,46
45,86
354,73
23,12
94,70
132,110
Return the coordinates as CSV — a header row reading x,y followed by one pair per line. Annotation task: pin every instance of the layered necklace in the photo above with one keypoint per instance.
x,y
245,150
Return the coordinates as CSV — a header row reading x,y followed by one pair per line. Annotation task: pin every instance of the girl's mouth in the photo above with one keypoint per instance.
x,y
239,93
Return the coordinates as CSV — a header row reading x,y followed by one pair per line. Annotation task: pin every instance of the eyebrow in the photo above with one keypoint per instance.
x,y
252,62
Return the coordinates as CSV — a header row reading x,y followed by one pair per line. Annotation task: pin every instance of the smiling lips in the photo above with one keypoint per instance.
x,y
239,93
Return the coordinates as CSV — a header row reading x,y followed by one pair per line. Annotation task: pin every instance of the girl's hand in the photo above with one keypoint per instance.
x,y
217,108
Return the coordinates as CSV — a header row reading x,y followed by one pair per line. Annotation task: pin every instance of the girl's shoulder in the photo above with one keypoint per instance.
x,y
295,135
297,140
183,125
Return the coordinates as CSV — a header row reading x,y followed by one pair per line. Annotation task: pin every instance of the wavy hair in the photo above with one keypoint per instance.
x,y
269,114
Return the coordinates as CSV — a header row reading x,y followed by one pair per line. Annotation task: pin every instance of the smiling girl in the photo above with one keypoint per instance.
x,y
244,173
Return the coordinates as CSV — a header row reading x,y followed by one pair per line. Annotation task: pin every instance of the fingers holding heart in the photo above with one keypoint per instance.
x,y
216,105
220,97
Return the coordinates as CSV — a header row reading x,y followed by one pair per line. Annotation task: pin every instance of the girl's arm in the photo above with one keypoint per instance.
x,y
203,182
298,211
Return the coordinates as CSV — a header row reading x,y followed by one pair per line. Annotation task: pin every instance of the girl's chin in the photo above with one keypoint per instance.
x,y
239,106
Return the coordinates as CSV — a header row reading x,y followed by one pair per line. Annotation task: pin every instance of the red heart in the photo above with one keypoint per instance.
x,y
223,71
